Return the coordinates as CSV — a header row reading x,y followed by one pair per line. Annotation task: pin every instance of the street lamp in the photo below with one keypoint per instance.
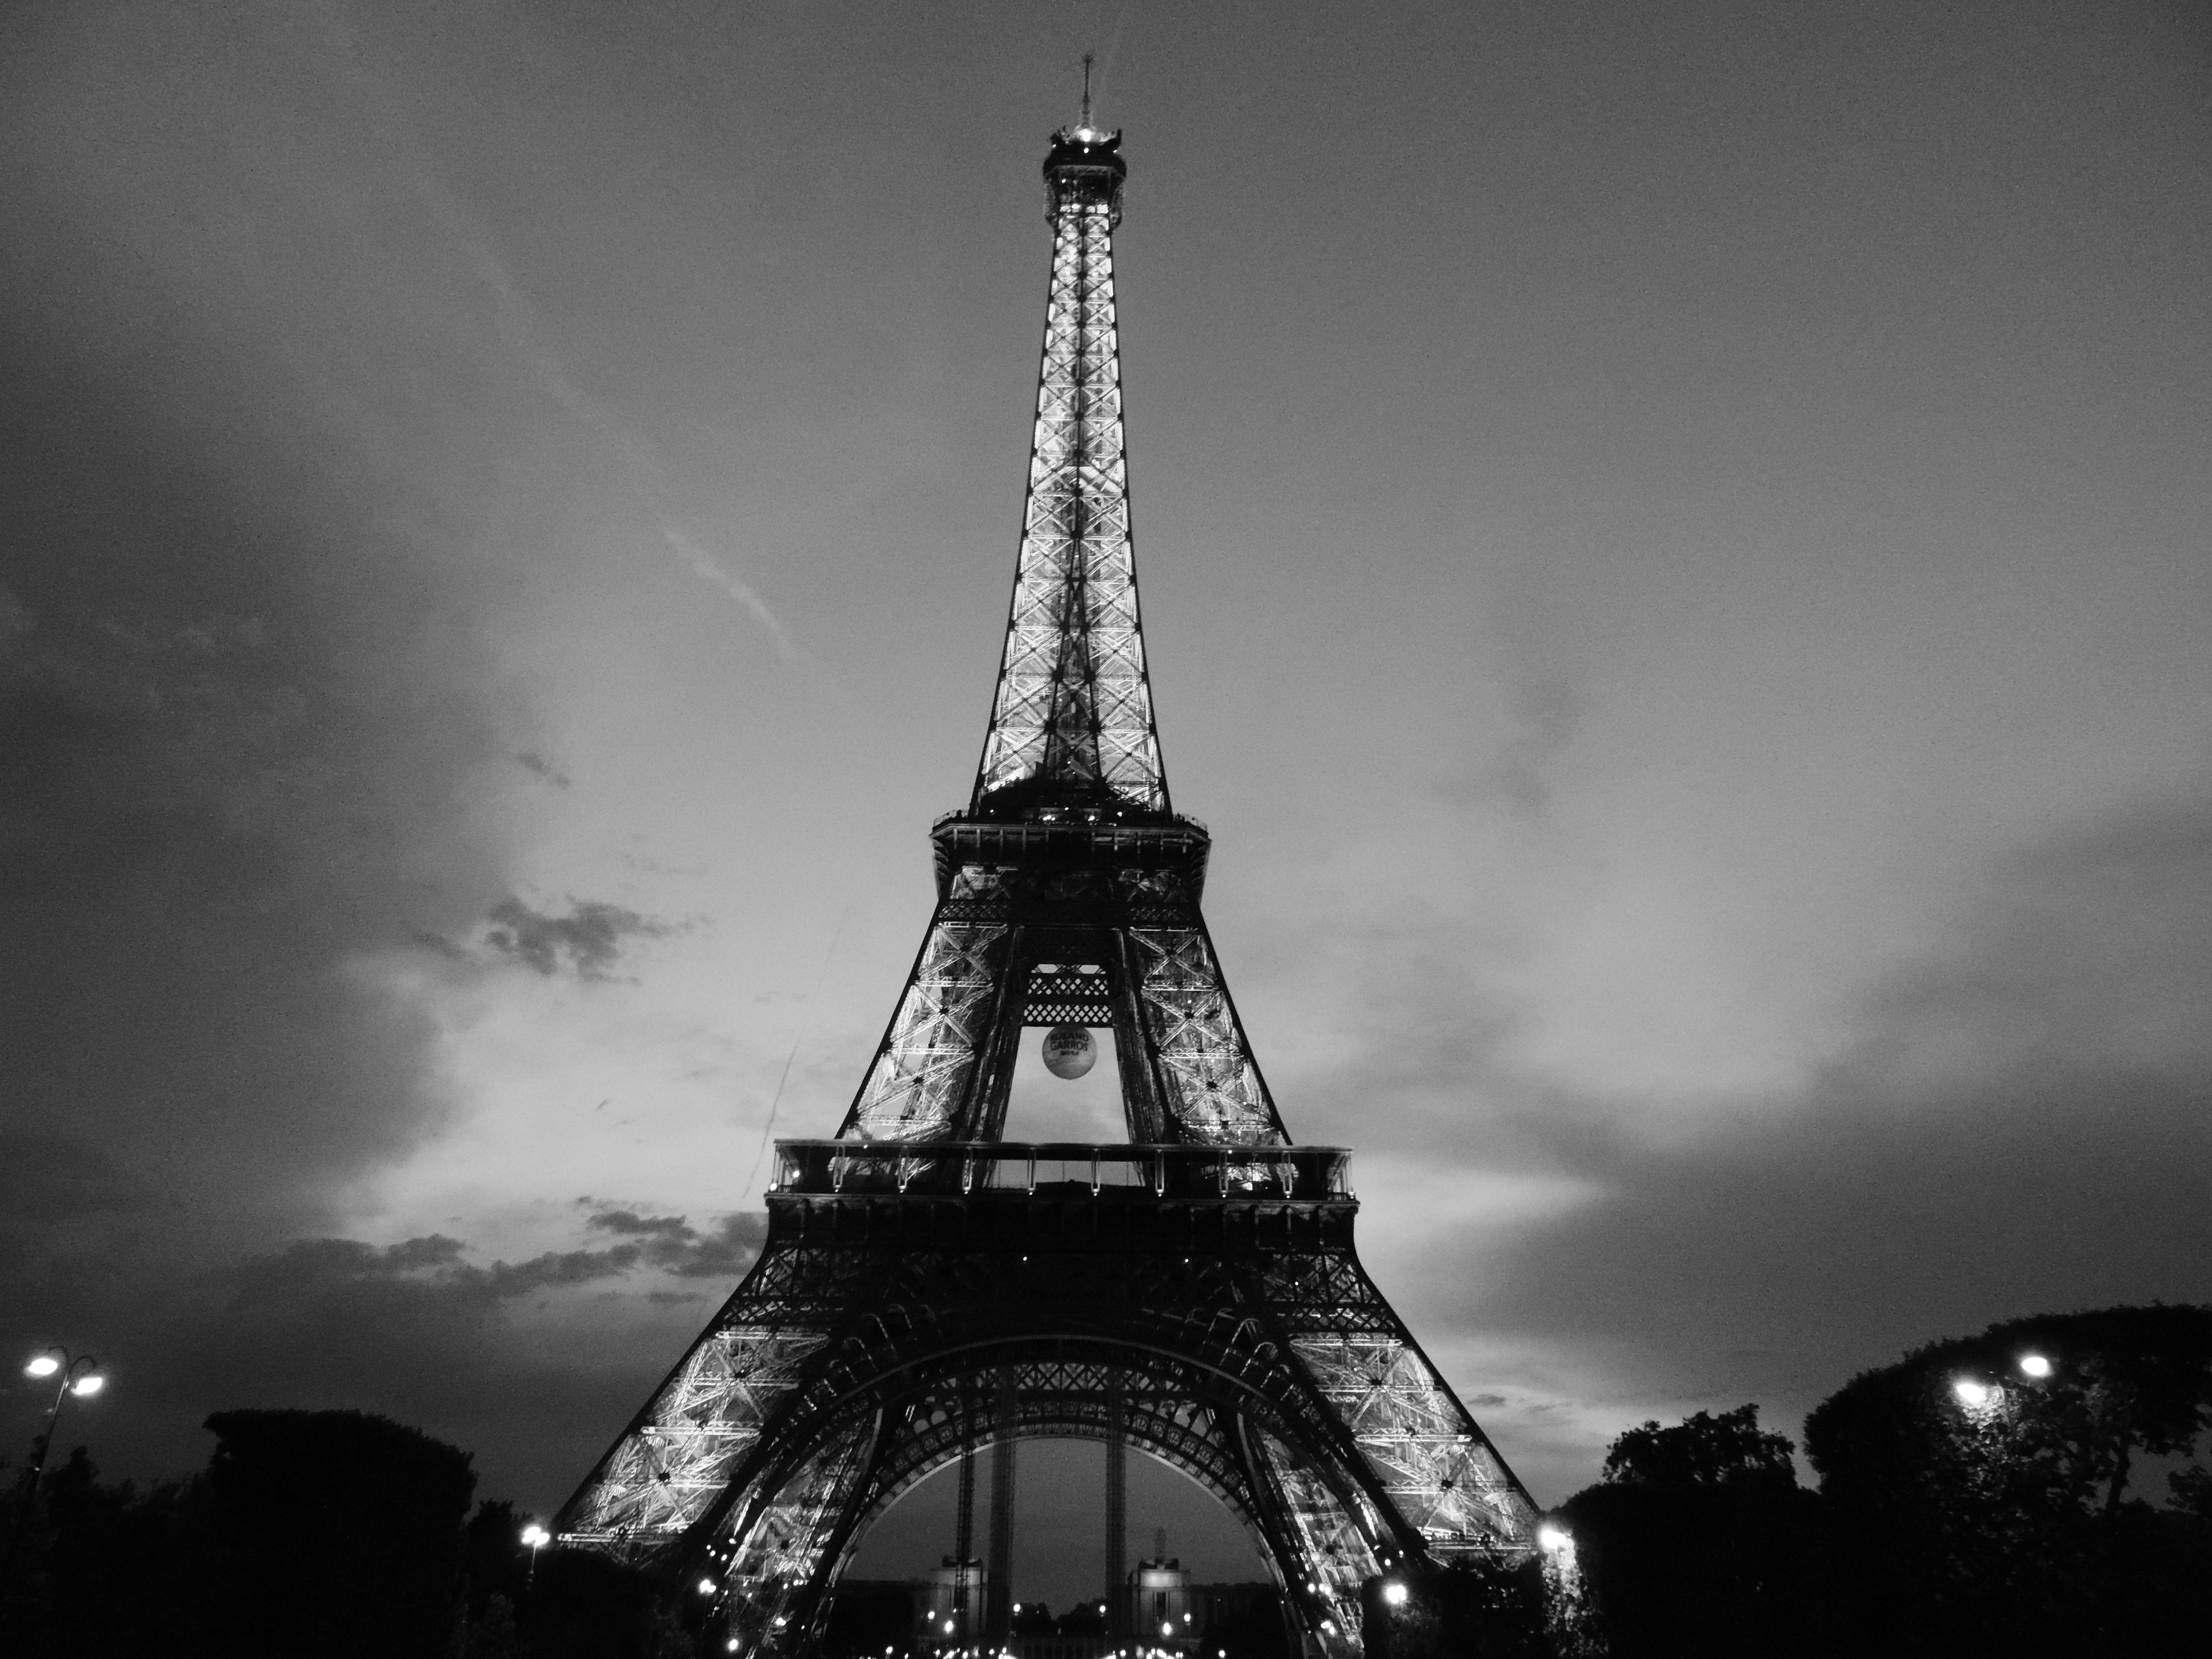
x,y
1972,1392
80,1375
2034,1364
536,1538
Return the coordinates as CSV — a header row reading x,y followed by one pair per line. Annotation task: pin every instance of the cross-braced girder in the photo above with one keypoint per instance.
x,y
1074,709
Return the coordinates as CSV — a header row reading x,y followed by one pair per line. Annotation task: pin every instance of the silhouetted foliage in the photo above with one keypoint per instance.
x,y
1471,1610
314,1535
1699,1540
101,1570
2009,1520
1702,1450
1993,1506
587,1607
334,1533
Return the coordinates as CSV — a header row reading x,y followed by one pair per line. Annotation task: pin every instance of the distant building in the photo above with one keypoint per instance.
x,y
951,1605
1160,1610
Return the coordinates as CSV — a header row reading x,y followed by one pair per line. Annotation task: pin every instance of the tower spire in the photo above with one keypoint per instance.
x,y
1072,724
1088,57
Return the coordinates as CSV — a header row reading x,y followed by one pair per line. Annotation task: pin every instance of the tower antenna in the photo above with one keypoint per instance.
x,y
1088,57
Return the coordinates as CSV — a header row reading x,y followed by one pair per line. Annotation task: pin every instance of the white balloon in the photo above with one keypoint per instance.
x,y
1069,1052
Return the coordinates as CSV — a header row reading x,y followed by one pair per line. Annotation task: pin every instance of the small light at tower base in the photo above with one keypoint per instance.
x,y
2035,1364
1394,1594
1970,1392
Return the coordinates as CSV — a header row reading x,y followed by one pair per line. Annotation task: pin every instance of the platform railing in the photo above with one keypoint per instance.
x,y
1061,1169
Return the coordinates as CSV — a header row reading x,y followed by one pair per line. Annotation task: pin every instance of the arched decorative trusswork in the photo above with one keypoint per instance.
x,y
1232,1321
781,1556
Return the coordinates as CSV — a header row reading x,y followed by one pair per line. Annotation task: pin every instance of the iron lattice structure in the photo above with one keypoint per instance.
x,y
927,1287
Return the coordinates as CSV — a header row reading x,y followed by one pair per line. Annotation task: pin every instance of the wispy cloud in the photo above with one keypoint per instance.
x,y
515,319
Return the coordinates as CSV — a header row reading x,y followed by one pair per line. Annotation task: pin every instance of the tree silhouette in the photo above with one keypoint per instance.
x,y
1700,1541
1986,1482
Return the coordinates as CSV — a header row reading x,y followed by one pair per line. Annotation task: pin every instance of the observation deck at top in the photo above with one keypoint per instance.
x,y
1085,168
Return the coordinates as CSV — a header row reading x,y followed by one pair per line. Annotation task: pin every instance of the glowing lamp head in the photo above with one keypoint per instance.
x,y
2035,1364
85,1386
536,1537
45,1366
706,1587
1394,1594
1970,1392
1069,1052
1552,1540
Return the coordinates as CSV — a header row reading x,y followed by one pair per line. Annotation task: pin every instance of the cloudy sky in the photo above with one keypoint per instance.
x,y
1674,543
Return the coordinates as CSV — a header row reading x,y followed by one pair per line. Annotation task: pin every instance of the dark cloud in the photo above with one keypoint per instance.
x,y
538,767
241,658
47,1179
1517,776
629,1222
221,788
588,939
420,1272
669,1241
2022,1125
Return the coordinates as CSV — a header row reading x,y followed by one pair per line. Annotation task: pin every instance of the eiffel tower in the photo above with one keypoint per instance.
x,y
927,1287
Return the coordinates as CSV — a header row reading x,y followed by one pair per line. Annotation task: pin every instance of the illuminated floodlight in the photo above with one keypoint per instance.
x,y
2035,1364
1167,1630
536,1537
1972,1392
1394,1594
85,1386
1552,1540
706,1587
948,1627
45,1366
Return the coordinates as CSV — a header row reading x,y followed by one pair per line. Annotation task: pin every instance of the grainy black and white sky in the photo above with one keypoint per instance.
x,y
1674,542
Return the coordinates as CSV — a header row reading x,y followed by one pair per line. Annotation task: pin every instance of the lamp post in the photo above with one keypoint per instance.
x,y
538,1538
78,1375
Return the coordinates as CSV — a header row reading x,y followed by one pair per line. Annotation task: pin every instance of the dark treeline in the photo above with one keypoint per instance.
x,y
2036,1491
310,1535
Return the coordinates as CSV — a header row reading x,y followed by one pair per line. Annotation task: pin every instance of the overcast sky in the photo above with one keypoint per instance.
x,y
1674,548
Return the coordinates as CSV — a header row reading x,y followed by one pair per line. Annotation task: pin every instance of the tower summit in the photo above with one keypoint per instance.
x,y
927,1287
